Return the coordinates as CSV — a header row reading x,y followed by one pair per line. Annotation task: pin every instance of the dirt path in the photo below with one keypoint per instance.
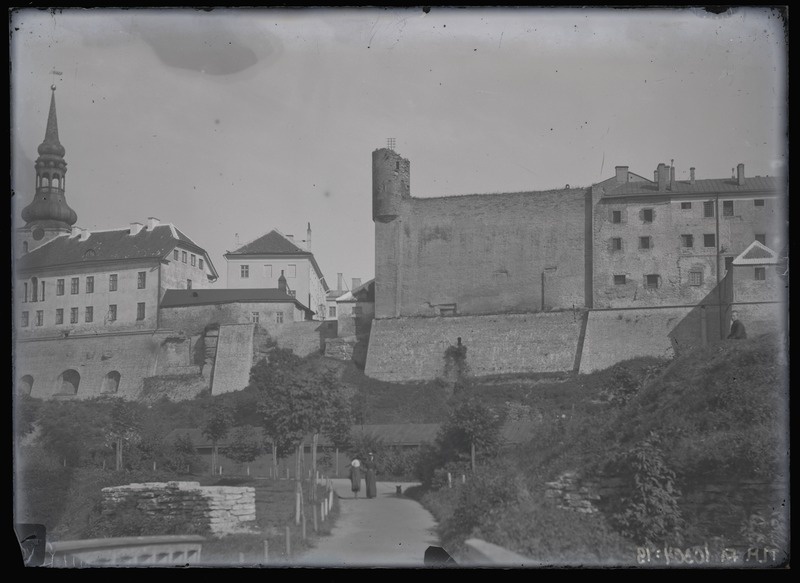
x,y
384,531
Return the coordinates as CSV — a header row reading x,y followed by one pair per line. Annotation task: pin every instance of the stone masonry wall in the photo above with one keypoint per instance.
x,y
406,349
225,509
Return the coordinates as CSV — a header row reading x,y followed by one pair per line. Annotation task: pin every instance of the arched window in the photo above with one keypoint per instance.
x,y
25,385
34,289
68,382
46,180
111,382
56,182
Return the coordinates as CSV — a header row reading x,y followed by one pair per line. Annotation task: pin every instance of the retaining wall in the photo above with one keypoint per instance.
x,y
234,358
225,509
408,349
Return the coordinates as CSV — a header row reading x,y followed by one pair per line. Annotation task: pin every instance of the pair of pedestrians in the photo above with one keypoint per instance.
x,y
367,469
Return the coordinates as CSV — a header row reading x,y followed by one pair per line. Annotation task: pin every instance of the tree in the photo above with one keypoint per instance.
x,y
124,428
215,428
471,425
244,445
185,458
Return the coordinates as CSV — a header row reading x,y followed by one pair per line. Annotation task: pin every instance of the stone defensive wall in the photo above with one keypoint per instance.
x,y
411,349
224,509
109,364
616,335
492,253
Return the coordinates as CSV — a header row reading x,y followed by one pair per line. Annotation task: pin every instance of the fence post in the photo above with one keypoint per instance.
x,y
266,551
288,542
248,470
449,480
297,505
314,509
463,479
154,465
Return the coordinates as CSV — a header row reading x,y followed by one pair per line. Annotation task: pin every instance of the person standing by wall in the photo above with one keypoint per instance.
x,y
737,328
370,476
355,477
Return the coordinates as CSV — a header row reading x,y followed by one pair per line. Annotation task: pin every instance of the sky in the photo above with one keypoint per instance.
x,y
232,122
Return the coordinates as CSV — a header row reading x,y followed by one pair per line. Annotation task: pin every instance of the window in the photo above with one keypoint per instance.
x,y
686,206
647,215
90,284
24,292
616,244
244,271
34,289
279,317
696,277
332,312
24,322
140,311
709,240
42,291
616,216
112,313
760,237
141,279
188,284
89,314
292,292
761,273
445,310
194,259
651,281
39,317
254,317
112,282
175,254
200,263
73,315
727,208
268,271
758,202
291,270
60,316
183,256
687,241
74,285
708,208
644,242
60,287
620,280
111,382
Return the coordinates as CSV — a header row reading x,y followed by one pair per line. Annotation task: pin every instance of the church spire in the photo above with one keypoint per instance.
x,y
49,209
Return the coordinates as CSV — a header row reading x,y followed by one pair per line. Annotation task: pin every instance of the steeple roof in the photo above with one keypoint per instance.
x,y
51,145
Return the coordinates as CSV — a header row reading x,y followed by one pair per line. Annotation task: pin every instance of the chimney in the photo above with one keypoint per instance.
x,y
740,174
672,175
655,176
152,223
290,237
308,237
691,175
622,174
282,282
84,234
356,283
339,281
662,177
135,228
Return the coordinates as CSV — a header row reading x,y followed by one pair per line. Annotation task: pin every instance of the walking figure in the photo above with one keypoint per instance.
x,y
737,328
369,476
355,477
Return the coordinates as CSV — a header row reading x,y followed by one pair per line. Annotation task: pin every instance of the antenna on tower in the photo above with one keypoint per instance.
x,y
390,143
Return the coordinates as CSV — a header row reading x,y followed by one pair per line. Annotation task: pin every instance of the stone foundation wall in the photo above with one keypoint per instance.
x,y
225,509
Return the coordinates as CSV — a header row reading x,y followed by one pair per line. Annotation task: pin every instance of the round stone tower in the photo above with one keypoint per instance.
x,y
391,183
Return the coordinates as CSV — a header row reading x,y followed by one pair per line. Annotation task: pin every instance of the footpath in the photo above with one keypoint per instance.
x,y
385,531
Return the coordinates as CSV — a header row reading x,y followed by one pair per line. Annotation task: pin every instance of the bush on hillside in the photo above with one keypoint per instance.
x,y
39,483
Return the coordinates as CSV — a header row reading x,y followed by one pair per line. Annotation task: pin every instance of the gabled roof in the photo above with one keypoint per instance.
x,y
278,244
756,254
700,187
363,293
174,298
113,245
273,243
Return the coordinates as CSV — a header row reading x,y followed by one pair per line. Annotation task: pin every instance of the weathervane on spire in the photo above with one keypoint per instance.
x,y
54,73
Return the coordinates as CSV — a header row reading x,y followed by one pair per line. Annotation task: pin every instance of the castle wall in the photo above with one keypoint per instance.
x,y
234,358
409,349
134,356
194,319
616,335
518,252
305,338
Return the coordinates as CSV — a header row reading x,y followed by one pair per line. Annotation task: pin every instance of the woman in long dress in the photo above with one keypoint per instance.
x,y
369,477
355,477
